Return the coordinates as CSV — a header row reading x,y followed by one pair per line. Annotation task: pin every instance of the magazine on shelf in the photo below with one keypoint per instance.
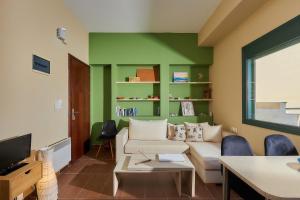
x,y
187,108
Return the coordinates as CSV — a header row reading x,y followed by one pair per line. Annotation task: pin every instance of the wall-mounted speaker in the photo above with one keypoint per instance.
x,y
61,34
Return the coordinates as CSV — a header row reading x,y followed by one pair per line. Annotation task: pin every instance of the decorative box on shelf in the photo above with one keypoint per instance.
x,y
134,79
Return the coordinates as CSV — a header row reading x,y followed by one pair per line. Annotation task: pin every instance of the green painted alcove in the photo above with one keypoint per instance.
x,y
115,56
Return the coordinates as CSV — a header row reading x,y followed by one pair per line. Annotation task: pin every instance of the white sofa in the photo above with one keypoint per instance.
x,y
124,145
204,155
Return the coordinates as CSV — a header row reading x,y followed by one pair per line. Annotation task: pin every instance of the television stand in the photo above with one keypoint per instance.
x,y
19,180
5,172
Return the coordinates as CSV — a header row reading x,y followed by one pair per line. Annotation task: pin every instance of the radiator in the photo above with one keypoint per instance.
x,y
61,154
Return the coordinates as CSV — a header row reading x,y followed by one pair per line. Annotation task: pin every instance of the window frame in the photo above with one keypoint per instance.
x,y
279,38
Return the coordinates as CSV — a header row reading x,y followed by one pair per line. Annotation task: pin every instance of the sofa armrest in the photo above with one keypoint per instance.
x,y
121,140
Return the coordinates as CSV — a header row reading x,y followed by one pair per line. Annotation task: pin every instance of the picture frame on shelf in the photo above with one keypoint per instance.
x,y
180,77
187,108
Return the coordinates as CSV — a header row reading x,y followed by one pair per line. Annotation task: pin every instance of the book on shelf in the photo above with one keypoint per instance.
x,y
126,112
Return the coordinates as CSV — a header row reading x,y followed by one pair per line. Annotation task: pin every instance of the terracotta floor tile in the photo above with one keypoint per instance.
x,y
201,190
64,179
91,179
96,187
132,186
73,188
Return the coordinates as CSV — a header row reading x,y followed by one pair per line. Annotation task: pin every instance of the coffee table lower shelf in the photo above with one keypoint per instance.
x,y
175,168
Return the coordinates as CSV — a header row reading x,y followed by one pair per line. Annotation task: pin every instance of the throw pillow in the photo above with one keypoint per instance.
x,y
194,132
147,129
212,133
176,132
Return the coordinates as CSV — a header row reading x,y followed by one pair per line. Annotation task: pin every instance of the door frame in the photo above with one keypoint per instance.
x,y
70,56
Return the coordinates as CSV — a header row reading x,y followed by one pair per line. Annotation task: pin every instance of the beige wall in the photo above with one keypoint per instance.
x,y
226,17
27,97
226,72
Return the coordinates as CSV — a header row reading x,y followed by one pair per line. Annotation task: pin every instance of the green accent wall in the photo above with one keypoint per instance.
x,y
100,93
115,56
139,48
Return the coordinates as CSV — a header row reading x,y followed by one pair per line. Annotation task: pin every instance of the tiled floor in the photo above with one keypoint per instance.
x,y
91,179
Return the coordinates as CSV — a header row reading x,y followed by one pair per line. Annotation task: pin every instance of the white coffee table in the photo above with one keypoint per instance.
x,y
126,166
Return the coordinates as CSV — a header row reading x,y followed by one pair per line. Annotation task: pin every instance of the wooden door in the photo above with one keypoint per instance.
x,y
79,106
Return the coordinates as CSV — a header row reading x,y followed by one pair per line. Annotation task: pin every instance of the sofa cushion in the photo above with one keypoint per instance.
x,y
207,154
147,129
212,133
162,146
176,132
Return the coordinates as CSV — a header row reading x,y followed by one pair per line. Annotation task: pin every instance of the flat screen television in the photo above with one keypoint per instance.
x,y
12,151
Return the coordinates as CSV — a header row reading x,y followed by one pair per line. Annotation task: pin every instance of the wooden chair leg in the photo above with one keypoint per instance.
x,y
98,152
111,149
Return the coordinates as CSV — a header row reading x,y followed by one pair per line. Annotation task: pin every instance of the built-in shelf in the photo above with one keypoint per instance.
x,y
135,100
135,94
142,116
193,82
191,116
190,99
139,82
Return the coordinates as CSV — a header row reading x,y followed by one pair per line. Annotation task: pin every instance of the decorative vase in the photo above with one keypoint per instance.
x,y
47,188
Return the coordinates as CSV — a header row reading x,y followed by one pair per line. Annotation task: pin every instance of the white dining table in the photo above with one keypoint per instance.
x,y
274,177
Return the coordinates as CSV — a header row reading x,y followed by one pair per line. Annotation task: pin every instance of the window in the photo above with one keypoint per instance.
x,y
271,79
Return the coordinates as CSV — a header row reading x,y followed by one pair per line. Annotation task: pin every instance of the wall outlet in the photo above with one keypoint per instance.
x,y
234,129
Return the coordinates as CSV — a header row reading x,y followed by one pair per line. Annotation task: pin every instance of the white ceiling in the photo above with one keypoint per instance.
x,y
175,16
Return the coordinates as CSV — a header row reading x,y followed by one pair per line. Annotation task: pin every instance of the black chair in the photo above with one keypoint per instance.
x,y
234,145
108,133
279,145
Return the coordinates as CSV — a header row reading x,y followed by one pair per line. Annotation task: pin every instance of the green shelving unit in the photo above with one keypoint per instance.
x,y
192,90
135,94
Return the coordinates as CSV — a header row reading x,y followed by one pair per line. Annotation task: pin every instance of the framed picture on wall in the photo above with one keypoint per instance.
x,y
40,64
187,108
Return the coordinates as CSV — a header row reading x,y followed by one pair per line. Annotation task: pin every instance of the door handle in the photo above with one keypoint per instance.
x,y
74,113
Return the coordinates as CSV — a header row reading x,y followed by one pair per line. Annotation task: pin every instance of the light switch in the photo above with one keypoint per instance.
x,y
58,104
